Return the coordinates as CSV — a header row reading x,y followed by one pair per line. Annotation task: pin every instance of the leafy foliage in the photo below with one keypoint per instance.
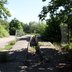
x,y
10,45
60,11
34,27
52,32
3,32
15,25
5,24
26,28
41,28
4,12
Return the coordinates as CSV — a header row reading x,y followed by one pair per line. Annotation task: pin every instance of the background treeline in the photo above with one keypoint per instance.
x,y
4,28
59,21
16,27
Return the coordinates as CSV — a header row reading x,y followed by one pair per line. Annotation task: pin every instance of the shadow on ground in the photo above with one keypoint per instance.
x,y
26,38
22,61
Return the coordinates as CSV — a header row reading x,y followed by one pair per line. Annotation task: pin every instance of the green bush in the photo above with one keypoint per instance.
x,y
68,47
14,26
12,42
10,45
3,32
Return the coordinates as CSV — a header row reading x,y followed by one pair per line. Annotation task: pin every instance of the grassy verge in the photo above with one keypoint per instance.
x,y
9,46
57,45
65,48
68,47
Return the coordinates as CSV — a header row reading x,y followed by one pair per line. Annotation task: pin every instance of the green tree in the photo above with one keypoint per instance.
x,y
26,28
5,24
32,26
14,26
52,31
59,10
4,12
40,28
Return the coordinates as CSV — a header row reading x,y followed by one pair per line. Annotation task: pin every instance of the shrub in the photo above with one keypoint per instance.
x,y
10,45
3,32
67,47
12,42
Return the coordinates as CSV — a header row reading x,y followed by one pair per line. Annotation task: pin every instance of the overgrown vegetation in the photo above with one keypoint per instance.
x,y
59,24
10,45
67,47
34,27
4,12
3,32
60,13
14,26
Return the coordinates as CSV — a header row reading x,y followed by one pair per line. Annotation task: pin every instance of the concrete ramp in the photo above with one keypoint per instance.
x,y
46,45
20,45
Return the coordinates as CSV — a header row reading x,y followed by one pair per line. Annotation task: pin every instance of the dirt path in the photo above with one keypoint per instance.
x,y
6,40
22,43
54,61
